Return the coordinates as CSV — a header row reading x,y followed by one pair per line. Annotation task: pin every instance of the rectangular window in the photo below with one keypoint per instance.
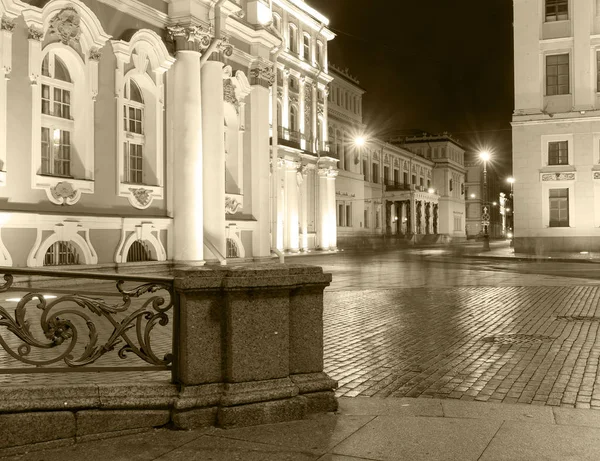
x,y
134,154
557,10
557,74
340,216
414,179
56,152
421,182
405,177
457,221
306,50
366,218
348,215
396,176
559,207
375,173
558,153
386,174
377,219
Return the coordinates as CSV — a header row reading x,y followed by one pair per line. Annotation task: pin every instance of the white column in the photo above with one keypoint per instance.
x,y
314,117
292,218
279,173
258,125
304,208
331,197
214,155
324,212
188,213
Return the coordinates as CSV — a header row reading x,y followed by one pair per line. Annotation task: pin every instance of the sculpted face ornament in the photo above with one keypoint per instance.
x,y
66,26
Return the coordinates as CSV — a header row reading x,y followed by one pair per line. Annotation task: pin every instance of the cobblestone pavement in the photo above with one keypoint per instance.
x,y
536,345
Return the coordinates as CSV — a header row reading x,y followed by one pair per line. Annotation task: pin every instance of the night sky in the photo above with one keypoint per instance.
x,y
434,65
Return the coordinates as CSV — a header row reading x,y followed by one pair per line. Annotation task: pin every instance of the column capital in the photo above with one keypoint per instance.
x,y
7,24
262,72
190,37
328,172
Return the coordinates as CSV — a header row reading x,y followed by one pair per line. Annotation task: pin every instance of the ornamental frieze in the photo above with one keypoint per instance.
x,y
63,193
141,196
558,176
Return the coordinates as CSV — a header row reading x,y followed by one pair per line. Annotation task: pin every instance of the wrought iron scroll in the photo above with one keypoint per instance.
x,y
131,333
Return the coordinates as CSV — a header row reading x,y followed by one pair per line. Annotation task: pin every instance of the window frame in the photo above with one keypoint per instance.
x,y
556,155
551,10
306,51
558,200
548,75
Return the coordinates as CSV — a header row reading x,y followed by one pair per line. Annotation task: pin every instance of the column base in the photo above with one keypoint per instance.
x,y
318,390
183,263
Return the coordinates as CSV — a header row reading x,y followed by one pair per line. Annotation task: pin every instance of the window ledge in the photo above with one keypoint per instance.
x,y
140,196
558,168
63,190
558,175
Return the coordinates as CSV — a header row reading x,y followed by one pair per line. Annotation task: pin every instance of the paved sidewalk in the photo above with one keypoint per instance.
x,y
369,429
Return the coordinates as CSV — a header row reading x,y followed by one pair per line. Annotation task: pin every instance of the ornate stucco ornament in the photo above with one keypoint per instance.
x,y
63,193
95,54
65,25
229,94
192,33
142,196
232,205
596,174
225,47
35,33
7,24
262,73
558,177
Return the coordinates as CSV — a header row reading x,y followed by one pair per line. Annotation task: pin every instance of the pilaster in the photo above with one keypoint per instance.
x,y
292,220
6,31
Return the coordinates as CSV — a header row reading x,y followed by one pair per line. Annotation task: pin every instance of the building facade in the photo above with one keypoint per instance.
x,y
556,125
142,130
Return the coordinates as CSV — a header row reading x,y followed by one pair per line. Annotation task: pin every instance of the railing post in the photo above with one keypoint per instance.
x,y
255,335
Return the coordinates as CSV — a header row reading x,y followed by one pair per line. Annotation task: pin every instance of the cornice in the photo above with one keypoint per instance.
x,y
304,15
139,10
245,32
559,117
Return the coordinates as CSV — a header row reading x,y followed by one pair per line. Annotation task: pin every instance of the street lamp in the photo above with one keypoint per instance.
x,y
485,215
511,181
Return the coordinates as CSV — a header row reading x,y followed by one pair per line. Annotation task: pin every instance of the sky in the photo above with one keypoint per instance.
x,y
434,65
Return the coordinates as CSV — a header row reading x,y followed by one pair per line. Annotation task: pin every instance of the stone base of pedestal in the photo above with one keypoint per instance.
x,y
252,414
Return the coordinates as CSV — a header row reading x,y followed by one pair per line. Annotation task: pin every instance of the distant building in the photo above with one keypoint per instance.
x,y
448,179
556,125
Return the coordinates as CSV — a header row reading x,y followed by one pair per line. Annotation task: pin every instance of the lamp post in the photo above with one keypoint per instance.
x,y
511,181
485,209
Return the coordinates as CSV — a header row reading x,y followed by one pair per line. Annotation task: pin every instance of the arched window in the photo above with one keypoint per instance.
x,y
293,118
138,252
133,124
293,38
139,79
306,47
57,123
61,253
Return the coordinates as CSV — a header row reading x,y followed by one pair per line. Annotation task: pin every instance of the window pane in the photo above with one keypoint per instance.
x,y
136,93
60,70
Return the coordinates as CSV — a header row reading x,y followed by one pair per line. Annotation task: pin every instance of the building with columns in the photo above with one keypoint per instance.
x,y
556,126
141,130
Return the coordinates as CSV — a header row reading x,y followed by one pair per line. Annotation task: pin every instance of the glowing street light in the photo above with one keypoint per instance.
x,y
472,195
359,141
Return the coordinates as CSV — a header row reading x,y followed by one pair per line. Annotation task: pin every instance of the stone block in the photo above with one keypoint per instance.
x,y
253,414
98,421
256,334
313,382
258,391
153,395
195,419
15,399
206,395
320,402
306,329
34,427
199,328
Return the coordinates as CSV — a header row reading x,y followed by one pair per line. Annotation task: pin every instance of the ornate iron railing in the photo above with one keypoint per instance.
x,y
67,325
